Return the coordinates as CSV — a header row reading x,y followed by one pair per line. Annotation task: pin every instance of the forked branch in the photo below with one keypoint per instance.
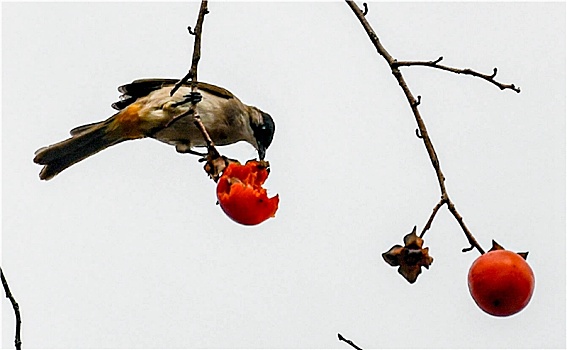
x,y
422,132
466,71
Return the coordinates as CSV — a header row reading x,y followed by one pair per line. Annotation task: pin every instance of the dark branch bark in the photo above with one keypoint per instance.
x,y
215,163
349,342
466,71
192,74
16,307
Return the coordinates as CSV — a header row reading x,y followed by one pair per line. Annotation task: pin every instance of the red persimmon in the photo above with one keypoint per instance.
x,y
241,195
501,282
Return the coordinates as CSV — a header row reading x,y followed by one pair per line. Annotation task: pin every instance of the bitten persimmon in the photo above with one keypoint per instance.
x,y
501,282
241,195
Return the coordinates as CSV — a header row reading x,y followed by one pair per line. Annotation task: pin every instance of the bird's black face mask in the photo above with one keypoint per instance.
x,y
264,134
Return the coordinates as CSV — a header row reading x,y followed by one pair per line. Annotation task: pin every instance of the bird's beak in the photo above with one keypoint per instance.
x,y
261,151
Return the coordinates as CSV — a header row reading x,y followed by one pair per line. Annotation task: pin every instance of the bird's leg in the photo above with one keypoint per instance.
x,y
186,148
195,153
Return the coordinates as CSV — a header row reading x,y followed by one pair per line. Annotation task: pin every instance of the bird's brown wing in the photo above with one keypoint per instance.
x,y
142,87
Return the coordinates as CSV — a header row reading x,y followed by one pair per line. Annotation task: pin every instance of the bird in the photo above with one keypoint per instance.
x,y
146,109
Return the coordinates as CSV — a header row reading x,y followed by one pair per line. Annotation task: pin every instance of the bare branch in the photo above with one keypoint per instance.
x,y
16,307
349,342
430,221
464,227
422,130
192,74
467,71
401,81
215,163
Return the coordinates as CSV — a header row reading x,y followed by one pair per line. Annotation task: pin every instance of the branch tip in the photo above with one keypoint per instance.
x,y
418,102
349,342
16,307
467,71
419,136
494,72
365,9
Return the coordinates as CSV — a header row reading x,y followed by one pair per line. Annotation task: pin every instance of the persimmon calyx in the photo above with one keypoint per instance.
x,y
410,258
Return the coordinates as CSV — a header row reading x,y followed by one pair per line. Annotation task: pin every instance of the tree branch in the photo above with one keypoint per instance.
x,y
468,234
430,221
466,71
349,342
16,307
215,163
192,73
401,81
423,134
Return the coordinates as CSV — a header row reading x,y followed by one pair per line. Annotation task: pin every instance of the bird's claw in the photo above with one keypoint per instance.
x,y
193,97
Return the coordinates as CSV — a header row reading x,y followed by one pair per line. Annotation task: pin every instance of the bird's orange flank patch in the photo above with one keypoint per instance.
x,y
128,121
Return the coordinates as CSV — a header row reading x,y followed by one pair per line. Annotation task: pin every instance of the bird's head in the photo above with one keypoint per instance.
x,y
263,127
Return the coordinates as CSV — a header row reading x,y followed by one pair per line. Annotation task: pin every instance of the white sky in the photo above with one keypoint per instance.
x,y
128,250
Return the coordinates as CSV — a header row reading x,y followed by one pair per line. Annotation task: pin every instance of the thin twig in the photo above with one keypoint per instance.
x,y
349,342
423,134
459,218
16,307
215,163
430,221
192,74
467,71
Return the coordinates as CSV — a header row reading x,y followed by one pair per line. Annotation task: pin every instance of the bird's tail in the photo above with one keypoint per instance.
x,y
85,141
